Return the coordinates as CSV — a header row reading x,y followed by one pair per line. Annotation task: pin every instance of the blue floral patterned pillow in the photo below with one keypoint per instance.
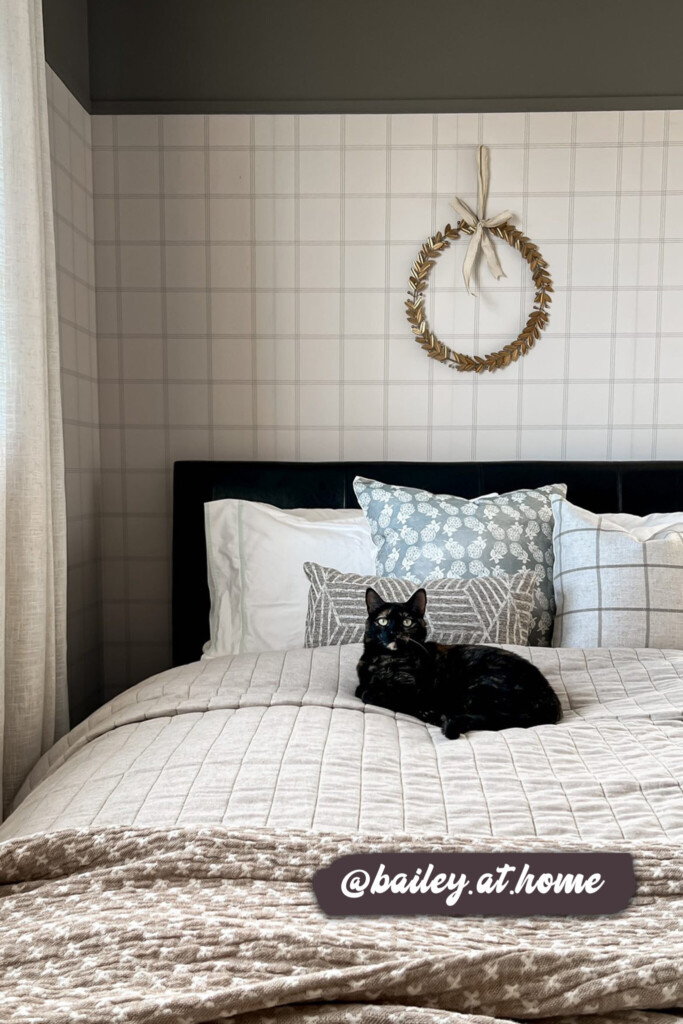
x,y
421,536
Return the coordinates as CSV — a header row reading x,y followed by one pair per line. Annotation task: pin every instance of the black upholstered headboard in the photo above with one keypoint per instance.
x,y
637,487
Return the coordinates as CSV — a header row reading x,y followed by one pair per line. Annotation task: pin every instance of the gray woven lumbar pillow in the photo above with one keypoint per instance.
x,y
492,609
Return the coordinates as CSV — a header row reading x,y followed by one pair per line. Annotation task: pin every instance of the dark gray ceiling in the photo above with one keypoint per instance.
x,y
371,55
65,23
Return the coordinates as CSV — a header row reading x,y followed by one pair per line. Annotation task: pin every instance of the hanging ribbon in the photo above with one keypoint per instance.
x,y
480,222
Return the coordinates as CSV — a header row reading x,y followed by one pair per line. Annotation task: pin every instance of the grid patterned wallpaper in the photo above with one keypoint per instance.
x,y
70,145
251,273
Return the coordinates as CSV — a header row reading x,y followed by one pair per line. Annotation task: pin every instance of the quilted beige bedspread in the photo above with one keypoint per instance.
x,y
158,865
279,740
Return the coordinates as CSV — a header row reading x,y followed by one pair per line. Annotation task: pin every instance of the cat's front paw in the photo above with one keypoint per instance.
x,y
450,728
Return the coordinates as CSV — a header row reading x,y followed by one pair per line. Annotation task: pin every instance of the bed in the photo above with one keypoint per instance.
x,y
158,863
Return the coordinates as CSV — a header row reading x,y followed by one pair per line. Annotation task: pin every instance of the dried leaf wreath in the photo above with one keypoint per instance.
x,y
477,225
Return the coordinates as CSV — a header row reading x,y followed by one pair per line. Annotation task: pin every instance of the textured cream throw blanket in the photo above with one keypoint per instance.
x,y
201,924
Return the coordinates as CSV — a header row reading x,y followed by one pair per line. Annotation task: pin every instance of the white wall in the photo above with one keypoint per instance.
x,y
70,145
251,273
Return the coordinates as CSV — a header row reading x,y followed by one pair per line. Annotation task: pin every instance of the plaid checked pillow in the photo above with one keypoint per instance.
x,y
494,609
618,579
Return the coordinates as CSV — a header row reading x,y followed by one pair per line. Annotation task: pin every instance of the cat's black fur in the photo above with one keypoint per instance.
x,y
459,687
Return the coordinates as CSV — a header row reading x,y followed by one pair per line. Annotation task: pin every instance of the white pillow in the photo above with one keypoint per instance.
x,y
618,578
255,557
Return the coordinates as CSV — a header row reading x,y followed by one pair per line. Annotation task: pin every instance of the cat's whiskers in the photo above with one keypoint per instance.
x,y
409,638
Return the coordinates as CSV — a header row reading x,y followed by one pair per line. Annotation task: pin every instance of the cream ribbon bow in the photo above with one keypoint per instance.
x,y
480,222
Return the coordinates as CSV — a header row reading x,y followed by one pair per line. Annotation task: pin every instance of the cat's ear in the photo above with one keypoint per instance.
x,y
373,600
417,604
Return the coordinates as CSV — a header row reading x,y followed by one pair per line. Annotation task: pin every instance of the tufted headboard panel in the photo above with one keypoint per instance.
x,y
636,487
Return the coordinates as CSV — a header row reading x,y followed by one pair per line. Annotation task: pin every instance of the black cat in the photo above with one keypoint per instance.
x,y
459,687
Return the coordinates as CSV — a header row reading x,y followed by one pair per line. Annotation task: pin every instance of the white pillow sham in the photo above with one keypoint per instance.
x,y
255,560
618,578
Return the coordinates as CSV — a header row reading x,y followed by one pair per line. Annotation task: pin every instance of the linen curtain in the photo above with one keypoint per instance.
x,y
33,694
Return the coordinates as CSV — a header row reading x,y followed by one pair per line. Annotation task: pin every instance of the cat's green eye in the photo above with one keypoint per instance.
x,y
407,622
382,621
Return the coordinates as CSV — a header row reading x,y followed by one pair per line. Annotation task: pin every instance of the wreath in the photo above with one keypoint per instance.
x,y
478,227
